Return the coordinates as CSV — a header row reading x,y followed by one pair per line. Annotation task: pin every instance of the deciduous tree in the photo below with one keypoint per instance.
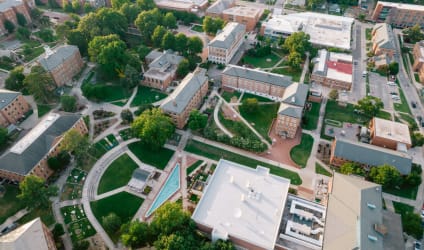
x,y
146,23
136,234
3,136
21,19
40,84
181,41
153,127
75,143
197,120
169,21
69,103
385,175
34,193
183,68
370,105
9,26
157,36
249,105
15,80
111,223
334,94
168,41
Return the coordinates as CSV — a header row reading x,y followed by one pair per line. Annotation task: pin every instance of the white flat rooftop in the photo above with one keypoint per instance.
x,y
403,6
390,130
243,202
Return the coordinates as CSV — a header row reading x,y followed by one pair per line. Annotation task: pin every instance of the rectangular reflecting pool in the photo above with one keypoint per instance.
x,y
172,184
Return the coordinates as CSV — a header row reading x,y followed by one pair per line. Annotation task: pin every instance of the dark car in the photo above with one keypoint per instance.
x,y
419,118
422,124
413,104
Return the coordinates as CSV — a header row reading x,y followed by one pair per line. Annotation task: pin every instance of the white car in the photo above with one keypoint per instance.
x,y
395,97
391,83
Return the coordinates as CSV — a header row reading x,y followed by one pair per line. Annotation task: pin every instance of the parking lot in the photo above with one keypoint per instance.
x,y
379,88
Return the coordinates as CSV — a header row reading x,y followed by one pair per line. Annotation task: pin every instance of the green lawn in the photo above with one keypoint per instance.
x,y
262,119
215,153
410,120
288,72
106,92
417,77
384,115
46,216
228,95
404,191
43,109
402,208
193,166
146,95
117,174
368,35
100,148
123,204
156,158
321,170
198,28
402,107
300,153
311,117
259,98
9,204
261,62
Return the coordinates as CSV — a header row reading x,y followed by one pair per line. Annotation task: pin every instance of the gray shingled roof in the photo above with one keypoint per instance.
x,y
23,163
153,55
257,75
372,155
296,94
140,174
179,99
219,6
166,58
232,29
290,110
59,55
384,36
6,4
7,96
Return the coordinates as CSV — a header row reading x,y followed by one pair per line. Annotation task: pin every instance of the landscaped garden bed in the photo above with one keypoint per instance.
x,y
78,225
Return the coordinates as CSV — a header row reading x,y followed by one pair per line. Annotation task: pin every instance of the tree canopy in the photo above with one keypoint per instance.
x,y
413,34
249,105
153,127
212,25
3,136
75,143
40,84
197,120
370,105
15,80
385,175
69,103
34,192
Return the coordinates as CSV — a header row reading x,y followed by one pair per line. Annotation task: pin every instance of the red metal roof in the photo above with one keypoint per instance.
x,y
343,67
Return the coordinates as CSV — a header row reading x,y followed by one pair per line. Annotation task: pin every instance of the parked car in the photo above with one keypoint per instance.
x,y
419,118
395,97
413,104
422,124
391,83
417,245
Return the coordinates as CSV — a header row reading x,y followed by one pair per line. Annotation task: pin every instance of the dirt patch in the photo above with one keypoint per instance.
x,y
229,114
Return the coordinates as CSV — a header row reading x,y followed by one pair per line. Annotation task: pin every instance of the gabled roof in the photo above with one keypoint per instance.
x,y
383,36
6,4
21,160
59,55
258,75
226,38
28,236
167,57
219,6
372,155
182,95
290,110
7,97
296,94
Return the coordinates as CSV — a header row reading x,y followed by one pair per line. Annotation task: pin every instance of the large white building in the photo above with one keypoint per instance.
x,y
324,30
226,43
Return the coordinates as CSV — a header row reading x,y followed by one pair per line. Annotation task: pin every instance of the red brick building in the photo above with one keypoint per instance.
x,y
9,9
13,106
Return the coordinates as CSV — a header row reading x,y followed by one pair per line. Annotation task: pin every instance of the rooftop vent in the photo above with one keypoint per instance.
x,y
372,237
370,205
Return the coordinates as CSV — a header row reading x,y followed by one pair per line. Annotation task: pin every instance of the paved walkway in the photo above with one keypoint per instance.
x,y
305,69
218,122
13,218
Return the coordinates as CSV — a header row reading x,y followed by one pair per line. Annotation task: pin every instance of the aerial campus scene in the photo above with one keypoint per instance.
x,y
211,124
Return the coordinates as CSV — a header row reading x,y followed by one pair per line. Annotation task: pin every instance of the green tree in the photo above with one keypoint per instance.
x,y
249,105
146,4
169,21
146,23
143,51
294,60
76,6
153,127
413,179
132,77
370,105
105,21
412,225
40,84
181,41
385,175
130,11
194,45
361,17
348,168
110,53
183,68
87,7
77,38
23,33
127,116
3,136
298,42
9,26
197,120
81,245
334,94
75,143
58,230
171,218
157,36
117,4
394,68
15,80
212,25
21,19
413,34
67,6
34,193
168,41
111,223
136,234
61,160
69,103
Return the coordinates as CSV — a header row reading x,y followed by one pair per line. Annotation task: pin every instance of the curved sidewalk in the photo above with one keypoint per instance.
x,y
90,187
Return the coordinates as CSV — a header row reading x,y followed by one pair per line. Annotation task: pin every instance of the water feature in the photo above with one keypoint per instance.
x,y
172,184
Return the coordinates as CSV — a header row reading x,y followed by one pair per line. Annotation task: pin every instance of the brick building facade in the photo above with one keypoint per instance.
x,y
162,69
226,43
400,15
13,106
9,9
244,15
418,54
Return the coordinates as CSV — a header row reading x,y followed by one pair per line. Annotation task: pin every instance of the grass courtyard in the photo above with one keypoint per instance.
x,y
295,74
118,174
403,106
259,98
123,204
262,119
216,154
146,95
311,117
9,204
321,170
156,158
78,225
193,166
101,147
300,153
267,61
43,109
228,95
